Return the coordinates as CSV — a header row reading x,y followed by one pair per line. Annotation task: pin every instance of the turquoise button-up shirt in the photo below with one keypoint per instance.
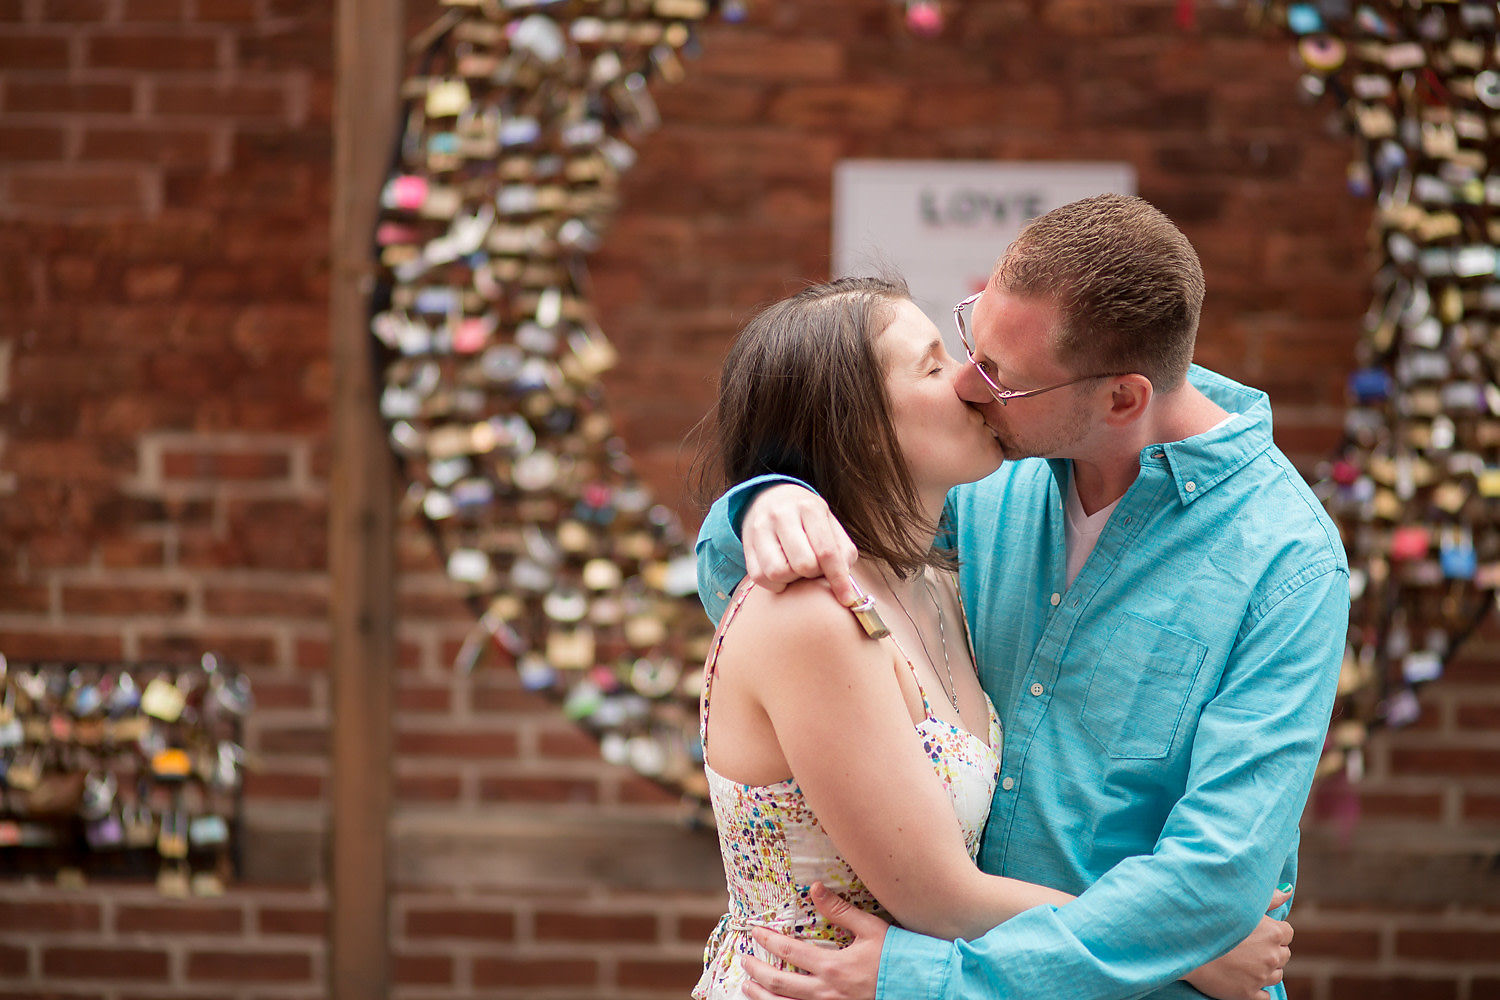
x,y
1163,715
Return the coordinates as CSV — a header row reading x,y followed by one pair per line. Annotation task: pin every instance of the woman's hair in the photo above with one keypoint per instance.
x,y
803,394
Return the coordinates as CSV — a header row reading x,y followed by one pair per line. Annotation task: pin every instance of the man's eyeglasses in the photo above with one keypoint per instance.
x,y
1002,394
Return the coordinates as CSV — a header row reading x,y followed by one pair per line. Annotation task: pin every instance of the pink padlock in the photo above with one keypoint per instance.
x,y
1345,473
469,335
388,233
407,192
595,494
1410,542
924,18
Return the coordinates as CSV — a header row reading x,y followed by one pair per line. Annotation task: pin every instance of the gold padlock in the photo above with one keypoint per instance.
x,y
864,610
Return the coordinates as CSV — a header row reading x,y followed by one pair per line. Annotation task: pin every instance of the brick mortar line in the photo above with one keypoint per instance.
x,y
1426,842
144,83
63,217
1412,739
298,87
1453,799
126,577
482,948
1322,916
136,117
425,584
172,943
300,467
609,970
208,488
77,49
424,820
246,626
174,30
90,625
1409,783
1387,967
245,579
229,440
285,816
81,168
227,50
539,767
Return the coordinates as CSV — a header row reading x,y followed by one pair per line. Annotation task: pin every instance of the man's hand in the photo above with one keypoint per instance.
x,y
1255,963
790,534
847,973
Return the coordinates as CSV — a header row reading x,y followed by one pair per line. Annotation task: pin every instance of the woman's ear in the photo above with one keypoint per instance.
x,y
1129,395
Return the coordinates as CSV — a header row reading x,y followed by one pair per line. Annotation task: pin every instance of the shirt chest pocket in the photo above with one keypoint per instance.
x,y
1139,688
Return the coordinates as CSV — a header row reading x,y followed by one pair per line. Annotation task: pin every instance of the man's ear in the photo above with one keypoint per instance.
x,y
1129,396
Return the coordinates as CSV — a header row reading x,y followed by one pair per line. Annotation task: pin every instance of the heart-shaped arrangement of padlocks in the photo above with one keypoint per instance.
x,y
1416,486
520,119
122,770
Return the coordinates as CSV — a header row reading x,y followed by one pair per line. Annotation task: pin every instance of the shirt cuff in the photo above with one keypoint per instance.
x,y
913,966
739,498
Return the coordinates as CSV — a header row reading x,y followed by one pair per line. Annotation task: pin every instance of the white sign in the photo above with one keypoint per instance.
x,y
942,224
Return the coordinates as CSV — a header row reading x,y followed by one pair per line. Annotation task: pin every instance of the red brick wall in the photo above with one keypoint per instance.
x,y
164,374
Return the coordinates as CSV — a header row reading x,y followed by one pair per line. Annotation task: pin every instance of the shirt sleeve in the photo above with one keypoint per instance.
x,y
1153,918
721,556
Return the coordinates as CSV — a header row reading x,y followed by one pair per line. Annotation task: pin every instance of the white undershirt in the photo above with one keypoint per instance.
x,y
1084,529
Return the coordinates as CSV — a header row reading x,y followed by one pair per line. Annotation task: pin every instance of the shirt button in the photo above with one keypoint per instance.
x,y
1129,519
1037,690
720,595
1190,486
1008,784
1158,454
1056,600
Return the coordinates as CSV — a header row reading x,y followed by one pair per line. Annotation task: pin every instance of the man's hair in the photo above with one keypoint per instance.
x,y
1126,281
803,394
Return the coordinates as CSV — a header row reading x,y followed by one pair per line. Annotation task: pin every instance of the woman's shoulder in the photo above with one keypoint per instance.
x,y
801,622
802,606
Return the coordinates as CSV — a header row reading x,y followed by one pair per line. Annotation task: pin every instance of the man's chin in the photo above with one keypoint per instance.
x,y
1013,452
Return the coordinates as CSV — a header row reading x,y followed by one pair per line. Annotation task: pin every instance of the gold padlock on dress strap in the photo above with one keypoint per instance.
x,y
869,618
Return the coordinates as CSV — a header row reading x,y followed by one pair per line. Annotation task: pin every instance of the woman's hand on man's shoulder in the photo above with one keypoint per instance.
x,y
790,534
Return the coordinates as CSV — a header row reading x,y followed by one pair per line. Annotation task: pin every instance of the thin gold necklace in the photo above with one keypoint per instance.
x,y
952,689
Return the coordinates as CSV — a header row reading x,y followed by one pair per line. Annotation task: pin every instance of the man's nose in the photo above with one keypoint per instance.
x,y
969,385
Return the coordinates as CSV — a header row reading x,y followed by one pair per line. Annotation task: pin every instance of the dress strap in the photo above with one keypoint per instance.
x,y
709,668
916,678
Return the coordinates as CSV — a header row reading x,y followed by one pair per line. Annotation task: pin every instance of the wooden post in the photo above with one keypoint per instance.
x,y
367,72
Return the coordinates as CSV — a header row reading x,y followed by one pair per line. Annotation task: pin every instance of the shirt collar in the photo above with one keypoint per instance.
x,y
1199,463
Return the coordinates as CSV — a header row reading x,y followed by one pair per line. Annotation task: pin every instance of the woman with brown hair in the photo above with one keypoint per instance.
x,y
855,749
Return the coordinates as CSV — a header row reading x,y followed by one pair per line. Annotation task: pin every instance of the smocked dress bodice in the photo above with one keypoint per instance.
x,y
774,848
